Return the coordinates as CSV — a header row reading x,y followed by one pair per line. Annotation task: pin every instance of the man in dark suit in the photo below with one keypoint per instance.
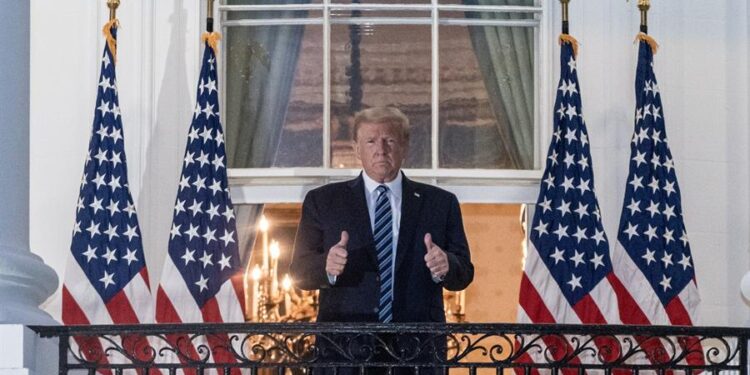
x,y
381,247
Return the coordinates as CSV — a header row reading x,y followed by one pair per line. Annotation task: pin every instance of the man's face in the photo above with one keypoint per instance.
x,y
381,149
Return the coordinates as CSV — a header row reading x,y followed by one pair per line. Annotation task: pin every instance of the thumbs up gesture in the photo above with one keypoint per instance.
x,y
436,259
336,259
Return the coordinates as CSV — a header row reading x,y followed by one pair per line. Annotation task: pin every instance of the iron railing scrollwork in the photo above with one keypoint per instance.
x,y
302,347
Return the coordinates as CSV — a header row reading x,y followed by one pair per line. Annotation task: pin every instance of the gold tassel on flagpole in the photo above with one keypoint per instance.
x,y
566,38
648,39
113,22
213,41
111,42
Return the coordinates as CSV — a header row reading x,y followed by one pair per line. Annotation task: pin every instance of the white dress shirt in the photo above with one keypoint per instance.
x,y
394,195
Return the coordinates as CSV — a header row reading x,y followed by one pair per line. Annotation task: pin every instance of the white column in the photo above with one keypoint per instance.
x,y
25,281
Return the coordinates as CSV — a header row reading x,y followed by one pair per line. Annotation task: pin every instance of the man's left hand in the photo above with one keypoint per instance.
x,y
436,259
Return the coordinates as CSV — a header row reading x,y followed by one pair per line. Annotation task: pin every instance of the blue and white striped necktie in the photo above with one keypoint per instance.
x,y
383,234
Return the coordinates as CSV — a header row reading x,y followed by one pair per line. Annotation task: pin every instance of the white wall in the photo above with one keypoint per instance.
x,y
702,69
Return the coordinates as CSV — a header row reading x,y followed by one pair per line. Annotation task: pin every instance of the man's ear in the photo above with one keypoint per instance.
x,y
355,145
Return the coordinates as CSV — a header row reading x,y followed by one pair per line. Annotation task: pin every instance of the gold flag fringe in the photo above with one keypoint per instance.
x,y
111,42
565,38
213,41
648,39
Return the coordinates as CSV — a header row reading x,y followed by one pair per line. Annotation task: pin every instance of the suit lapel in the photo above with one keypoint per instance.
x,y
411,207
360,216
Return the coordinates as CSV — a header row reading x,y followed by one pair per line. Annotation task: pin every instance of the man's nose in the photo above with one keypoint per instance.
x,y
383,146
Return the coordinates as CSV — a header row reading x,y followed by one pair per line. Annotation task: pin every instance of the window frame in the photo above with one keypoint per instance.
x,y
289,185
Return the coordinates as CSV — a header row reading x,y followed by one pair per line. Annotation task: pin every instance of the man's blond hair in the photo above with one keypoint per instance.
x,y
383,115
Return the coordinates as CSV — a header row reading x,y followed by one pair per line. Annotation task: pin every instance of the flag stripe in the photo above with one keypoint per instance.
x,y
628,307
588,311
547,289
181,341
83,294
72,314
691,299
227,305
645,298
219,342
173,286
533,304
144,303
680,316
120,309
602,295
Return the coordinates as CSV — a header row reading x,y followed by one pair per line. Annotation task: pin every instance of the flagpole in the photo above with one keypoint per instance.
x,y
113,4
644,6
565,16
210,16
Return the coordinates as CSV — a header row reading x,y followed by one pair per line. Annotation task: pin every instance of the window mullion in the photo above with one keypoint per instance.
x,y
326,84
435,140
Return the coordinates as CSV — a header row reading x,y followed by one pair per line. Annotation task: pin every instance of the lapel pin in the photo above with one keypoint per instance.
x,y
417,194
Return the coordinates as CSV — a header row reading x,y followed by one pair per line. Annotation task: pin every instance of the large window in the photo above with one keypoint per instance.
x,y
466,73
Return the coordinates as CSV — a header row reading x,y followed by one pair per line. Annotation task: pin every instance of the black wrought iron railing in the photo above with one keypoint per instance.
x,y
356,349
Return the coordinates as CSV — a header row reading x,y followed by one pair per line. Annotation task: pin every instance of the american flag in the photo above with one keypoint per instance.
x,y
567,270
201,281
652,254
106,280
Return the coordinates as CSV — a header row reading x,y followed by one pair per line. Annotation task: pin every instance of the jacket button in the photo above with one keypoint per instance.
x,y
375,310
377,278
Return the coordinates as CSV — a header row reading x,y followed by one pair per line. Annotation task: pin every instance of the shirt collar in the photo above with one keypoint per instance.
x,y
394,185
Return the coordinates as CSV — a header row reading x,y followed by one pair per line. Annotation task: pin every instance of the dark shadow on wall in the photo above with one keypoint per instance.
x,y
166,141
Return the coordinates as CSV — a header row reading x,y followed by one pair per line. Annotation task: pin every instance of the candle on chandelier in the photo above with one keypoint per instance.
x,y
264,225
275,251
286,283
255,275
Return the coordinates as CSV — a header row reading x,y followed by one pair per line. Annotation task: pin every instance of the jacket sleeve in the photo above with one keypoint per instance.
x,y
460,269
307,267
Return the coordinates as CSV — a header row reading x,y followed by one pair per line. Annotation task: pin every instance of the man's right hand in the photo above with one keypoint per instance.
x,y
336,259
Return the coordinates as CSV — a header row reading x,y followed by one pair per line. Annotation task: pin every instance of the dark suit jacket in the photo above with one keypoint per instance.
x,y
332,208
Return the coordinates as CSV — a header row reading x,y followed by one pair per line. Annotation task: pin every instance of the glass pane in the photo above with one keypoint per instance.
x,y
274,96
274,14
380,65
266,2
407,2
487,96
453,14
347,13
491,2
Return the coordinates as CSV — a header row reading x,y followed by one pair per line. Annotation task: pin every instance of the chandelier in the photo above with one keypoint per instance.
x,y
274,299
